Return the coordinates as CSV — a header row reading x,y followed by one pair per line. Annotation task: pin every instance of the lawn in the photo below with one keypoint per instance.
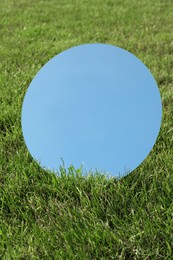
x,y
71,217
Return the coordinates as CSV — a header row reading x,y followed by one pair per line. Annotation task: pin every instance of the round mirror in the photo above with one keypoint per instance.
x,y
95,105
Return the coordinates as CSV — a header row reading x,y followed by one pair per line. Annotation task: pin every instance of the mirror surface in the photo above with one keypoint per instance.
x,y
95,105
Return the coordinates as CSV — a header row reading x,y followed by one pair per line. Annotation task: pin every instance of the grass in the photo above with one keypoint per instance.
x,y
70,217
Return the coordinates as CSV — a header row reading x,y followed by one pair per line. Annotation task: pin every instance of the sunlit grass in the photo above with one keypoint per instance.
x,y
71,217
